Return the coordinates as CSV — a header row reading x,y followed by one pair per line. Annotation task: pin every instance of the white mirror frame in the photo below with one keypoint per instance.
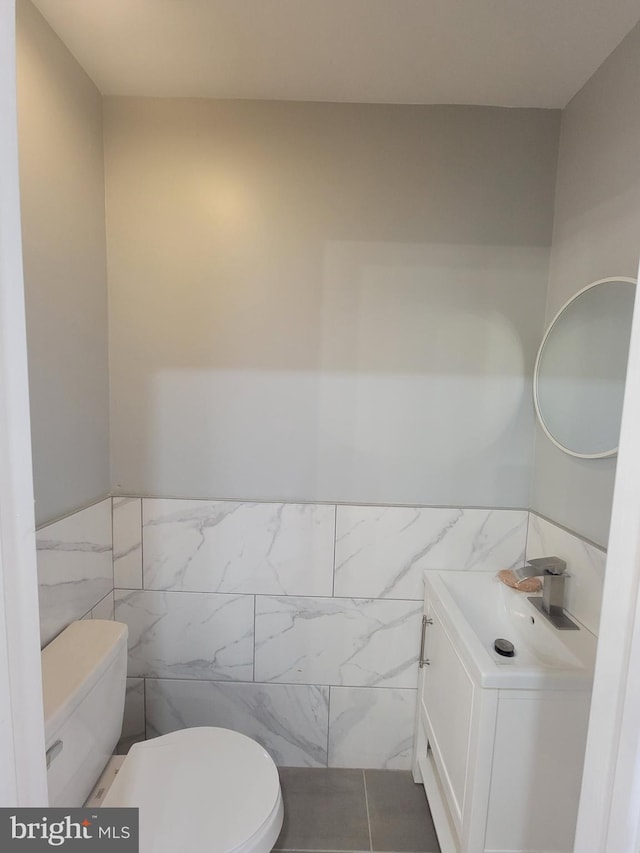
x,y
536,401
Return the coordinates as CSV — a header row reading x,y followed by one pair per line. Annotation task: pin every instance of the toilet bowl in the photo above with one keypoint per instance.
x,y
201,789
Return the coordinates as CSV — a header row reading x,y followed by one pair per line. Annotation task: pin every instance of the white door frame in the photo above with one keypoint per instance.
x,y
609,814
23,775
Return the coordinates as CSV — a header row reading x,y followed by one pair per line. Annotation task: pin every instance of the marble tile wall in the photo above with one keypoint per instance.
x,y
75,572
127,543
297,624
381,552
184,635
585,566
225,546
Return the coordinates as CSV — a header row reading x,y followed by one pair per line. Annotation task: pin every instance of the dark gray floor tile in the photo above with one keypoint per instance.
x,y
399,813
324,809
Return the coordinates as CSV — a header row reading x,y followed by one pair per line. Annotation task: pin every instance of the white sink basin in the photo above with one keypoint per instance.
x,y
476,608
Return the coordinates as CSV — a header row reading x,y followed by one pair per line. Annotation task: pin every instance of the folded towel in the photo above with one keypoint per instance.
x,y
507,576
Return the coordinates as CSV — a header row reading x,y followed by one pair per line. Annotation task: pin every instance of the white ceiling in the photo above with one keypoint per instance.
x,y
535,53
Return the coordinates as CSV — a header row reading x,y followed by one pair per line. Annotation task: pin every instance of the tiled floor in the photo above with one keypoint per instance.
x,y
349,810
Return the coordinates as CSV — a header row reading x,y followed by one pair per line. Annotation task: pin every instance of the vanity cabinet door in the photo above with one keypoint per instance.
x,y
447,699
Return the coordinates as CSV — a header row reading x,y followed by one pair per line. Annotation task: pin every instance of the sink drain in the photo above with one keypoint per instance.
x,y
504,648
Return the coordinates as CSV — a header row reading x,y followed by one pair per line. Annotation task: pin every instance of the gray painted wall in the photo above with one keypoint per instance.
x,y
596,234
311,301
62,188
326,302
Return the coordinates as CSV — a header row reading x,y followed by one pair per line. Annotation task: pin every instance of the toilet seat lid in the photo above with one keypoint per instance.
x,y
198,789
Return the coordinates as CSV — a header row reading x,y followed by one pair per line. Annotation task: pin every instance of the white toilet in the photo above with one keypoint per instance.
x,y
201,790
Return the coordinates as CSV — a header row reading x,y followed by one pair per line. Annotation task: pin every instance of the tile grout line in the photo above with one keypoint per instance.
x,y
113,563
144,707
142,586
91,609
266,683
366,802
144,680
335,534
328,723
323,598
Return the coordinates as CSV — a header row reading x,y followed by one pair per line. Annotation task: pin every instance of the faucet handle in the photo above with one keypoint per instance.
x,y
550,565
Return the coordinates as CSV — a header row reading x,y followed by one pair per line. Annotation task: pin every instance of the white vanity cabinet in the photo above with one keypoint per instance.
x,y
501,766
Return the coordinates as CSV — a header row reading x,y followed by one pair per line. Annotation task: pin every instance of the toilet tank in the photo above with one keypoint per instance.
x,y
83,681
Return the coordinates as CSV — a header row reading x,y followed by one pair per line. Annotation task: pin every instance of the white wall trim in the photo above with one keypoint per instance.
x,y
23,780
609,815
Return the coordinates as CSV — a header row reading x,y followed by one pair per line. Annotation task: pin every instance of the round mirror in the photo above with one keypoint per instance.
x,y
578,382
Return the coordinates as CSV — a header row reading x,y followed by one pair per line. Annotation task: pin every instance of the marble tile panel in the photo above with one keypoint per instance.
x,y
182,635
585,565
381,552
104,608
127,543
371,727
290,721
226,546
75,571
353,642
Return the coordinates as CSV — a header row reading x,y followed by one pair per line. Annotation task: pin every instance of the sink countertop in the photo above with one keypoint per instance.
x,y
476,609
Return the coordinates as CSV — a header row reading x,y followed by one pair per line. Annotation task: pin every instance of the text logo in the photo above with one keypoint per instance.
x,y
92,829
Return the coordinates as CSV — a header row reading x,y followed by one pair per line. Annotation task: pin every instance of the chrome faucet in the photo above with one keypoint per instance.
x,y
552,570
